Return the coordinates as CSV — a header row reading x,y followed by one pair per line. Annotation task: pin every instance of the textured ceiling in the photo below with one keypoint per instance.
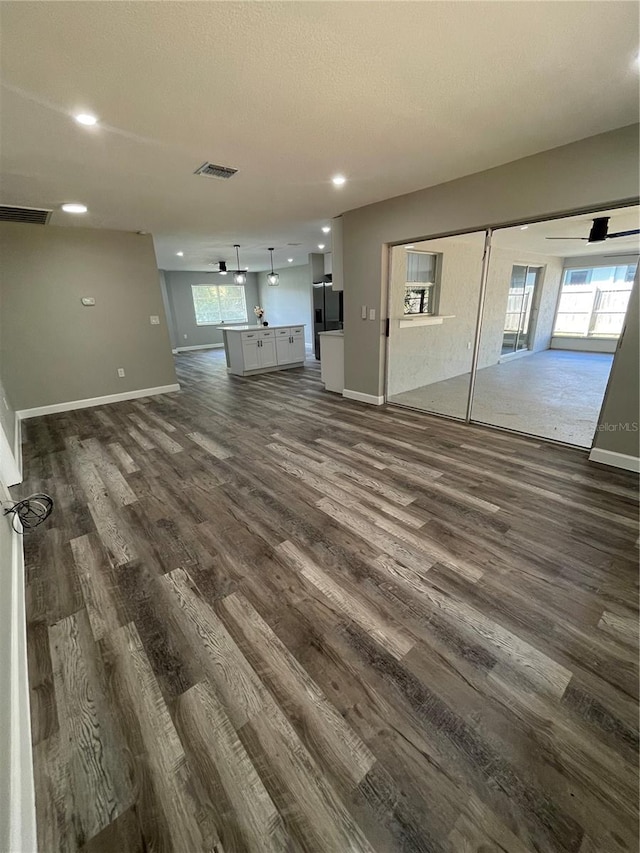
x,y
395,95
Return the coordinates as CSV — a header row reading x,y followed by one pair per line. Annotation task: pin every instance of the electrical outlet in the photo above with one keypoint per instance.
x,y
154,320
185,337
372,313
468,344
121,372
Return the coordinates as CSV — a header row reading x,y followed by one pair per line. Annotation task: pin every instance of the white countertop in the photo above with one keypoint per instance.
x,y
337,333
256,328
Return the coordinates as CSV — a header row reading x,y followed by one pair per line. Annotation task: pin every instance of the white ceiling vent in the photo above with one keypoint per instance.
x,y
32,215
210,170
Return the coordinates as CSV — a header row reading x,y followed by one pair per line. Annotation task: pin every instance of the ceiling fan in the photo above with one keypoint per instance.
x,y
599,232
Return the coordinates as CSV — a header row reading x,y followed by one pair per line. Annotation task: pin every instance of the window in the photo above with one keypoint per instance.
x,y
593,301
219,303
421,288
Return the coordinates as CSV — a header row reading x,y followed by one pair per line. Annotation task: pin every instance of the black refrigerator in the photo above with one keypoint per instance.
x,y
327,310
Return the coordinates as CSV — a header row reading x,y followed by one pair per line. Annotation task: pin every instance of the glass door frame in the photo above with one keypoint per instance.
x,y
489,232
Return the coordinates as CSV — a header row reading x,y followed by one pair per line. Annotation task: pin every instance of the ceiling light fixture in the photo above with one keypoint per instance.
x,y
410,246
180,254
523,227
86,119
74,207
239,276
326,229
339,180
289,260
273,278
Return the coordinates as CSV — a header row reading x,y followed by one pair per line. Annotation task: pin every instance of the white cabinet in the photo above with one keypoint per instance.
x,y
258,350
332,361
290,345
254,349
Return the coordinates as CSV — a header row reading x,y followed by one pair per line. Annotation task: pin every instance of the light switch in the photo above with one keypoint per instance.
x,y
372,313
154,320
364,312
88,300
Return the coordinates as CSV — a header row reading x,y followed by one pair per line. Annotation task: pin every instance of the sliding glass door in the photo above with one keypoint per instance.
x,y
521,336
434,288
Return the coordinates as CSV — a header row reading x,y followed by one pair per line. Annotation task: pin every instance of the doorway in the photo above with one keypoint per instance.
x,y
555,291
521,302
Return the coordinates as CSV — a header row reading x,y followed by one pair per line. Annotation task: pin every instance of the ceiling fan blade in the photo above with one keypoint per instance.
x,y
566,238
624,233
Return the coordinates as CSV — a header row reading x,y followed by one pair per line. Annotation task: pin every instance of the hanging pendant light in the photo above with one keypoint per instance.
x,y
239,276
273,278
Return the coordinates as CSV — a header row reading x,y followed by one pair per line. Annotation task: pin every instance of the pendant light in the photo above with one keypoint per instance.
x,y
273,278
239,276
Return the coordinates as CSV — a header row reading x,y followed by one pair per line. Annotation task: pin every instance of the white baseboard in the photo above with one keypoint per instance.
x,y
10,466
17,806
363,398
616,460
22,809
17,445
200,346
95,401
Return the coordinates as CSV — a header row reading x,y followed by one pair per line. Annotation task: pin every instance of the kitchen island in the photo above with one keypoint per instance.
x,y
262,349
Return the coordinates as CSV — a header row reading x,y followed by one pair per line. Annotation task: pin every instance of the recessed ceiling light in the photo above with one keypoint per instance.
x,y
523,227
290,260
180,254
74,207
339,180
86,118
326,229
410,246
321,245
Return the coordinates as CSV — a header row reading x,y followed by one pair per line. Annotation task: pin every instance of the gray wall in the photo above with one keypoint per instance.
x,y
289,302
618,425
55,350
599,172
184,330
7,413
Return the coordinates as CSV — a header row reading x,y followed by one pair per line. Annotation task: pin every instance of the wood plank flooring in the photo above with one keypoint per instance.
x,y
263,618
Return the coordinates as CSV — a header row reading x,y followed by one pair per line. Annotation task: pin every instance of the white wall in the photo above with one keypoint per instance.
x,y
291,301
427,354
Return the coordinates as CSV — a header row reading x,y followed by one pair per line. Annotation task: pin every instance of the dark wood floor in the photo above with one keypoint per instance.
x,y
263,618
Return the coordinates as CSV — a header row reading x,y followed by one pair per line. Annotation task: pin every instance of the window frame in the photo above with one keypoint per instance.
x,y
221,321
596,289
426,288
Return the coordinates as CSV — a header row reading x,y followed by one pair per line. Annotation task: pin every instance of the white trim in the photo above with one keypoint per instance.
x,y
363,398
424,320
22,810
17,444
616,460
10,472
69,406
200,346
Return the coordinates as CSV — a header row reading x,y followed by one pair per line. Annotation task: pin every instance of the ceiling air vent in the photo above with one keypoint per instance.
x,y
210,170
32,215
